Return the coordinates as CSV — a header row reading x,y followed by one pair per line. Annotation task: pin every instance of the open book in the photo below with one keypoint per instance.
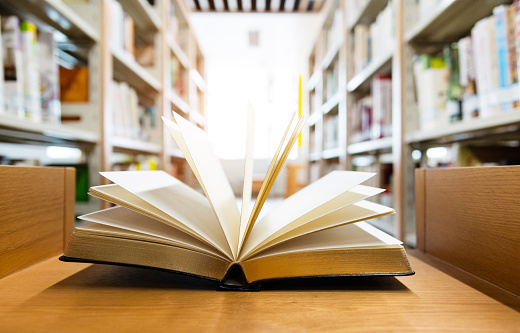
x,y
159,222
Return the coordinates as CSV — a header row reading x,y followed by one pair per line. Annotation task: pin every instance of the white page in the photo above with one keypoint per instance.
x,y
303,202
355,235
119,196
313,218
127,219
359,211
213,180
248,173
175,199
274,169
173,128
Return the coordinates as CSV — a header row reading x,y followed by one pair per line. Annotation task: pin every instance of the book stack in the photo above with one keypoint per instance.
x,y
130,119
29,86
371,42
475,77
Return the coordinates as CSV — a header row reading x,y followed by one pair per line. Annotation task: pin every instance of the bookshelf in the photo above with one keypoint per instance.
x,y
128,82
480,122
418,28
326,124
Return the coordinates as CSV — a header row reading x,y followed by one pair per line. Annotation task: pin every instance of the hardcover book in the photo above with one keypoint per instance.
x,y
161,223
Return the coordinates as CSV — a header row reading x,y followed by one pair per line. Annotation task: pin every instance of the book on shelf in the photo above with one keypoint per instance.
x,y
49,78
12,66
432,82
130,119
382,107
162,223
122,34
371,117
74,84
375,40
178,78
31,80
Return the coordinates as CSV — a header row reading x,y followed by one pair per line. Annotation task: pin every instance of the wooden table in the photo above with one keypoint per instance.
x,y
53,296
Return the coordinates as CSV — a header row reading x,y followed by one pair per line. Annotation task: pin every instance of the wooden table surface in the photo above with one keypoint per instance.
x,y
53,296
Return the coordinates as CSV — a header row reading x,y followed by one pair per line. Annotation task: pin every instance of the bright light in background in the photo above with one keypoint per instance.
x,y
63,153
416,155
437,153
266,73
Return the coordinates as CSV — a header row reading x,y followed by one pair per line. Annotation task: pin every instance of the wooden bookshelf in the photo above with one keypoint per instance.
x,y
324,89
87,26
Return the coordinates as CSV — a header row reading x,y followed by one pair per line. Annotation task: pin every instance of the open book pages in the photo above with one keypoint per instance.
x,y
161,222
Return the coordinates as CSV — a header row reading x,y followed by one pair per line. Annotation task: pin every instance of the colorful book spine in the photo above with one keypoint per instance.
x,y
501,45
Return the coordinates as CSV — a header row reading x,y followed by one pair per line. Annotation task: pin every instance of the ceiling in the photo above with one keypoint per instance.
x,y
256,6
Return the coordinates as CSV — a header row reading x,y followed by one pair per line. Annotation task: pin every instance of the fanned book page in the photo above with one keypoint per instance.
x,y
162,223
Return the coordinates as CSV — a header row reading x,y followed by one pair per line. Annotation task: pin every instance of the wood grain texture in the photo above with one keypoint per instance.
x,y
54,296
472,221
32,219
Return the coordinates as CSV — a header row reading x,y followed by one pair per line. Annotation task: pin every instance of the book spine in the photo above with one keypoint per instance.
x,y
511,44
12,66
49,78
31,80
499,14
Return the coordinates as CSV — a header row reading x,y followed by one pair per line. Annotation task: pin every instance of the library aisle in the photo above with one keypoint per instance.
x,y
388,85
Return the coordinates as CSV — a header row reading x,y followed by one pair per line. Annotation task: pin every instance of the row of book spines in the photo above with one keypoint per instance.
x,y
374,40
478,76
29,86
130,119
371,117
